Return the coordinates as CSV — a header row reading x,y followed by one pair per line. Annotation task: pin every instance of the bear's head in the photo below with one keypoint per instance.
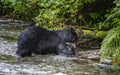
x,y
70,35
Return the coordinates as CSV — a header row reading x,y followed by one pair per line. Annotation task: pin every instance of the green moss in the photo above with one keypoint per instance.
x,y
87,32
100,34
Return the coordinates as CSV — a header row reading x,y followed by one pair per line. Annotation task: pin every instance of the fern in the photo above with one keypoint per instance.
x,y
115,13
110,48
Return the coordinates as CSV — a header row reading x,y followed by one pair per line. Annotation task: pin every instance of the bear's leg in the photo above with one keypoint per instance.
x,y
23,53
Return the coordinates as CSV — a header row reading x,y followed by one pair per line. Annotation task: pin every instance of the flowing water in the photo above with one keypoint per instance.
x,y
41,64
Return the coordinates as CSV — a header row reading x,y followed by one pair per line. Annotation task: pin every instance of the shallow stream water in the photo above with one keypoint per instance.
x,y
41,64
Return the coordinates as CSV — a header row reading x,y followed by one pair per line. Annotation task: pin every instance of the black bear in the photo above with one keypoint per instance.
x,y
42,41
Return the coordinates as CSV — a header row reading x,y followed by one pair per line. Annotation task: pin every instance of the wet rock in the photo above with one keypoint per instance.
x,y
91,54
105,66
94,57
15,23
107,62
6,20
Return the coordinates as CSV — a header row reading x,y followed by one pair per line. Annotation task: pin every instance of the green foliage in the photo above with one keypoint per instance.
x,y
71,12
25,9
103,26
94,16
116,22
112,18
7,6
115,13
74,12
55,12
110,48
58,13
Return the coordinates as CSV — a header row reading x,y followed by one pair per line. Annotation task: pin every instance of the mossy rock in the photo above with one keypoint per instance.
x,y
90,34
100,34
87,32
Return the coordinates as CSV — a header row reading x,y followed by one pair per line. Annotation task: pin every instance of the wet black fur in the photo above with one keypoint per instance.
x,y
42,41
